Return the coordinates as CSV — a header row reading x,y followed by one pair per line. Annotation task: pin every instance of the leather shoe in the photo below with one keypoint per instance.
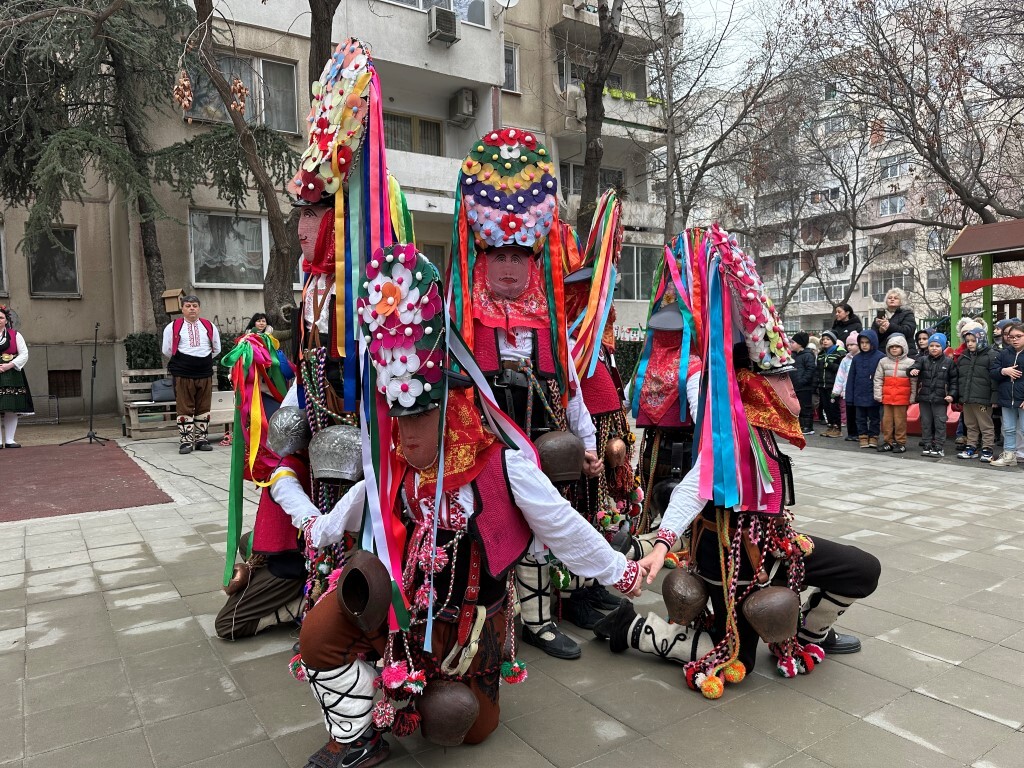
x,y
185,448
839,643
601,598
559,645
579,609
615,627
12,445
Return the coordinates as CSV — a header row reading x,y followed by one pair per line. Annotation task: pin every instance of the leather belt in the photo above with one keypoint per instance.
x,y
468,610
515,365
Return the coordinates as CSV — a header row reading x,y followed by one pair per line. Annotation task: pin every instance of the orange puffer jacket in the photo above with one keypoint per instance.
x,y
893,385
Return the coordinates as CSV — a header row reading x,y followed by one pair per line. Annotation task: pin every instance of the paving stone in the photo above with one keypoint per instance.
x,y
546,734
192,693
715,729
122,750
1007,754
71,653
79,722
201,735
984,695
775,711
894,663
261,755
173,662
161,634
78,686
864,745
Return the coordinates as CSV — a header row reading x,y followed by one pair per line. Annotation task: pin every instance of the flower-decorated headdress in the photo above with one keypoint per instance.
x,y
507,195
400,313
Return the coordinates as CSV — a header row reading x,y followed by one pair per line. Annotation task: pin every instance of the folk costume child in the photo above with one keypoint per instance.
x,y
744,553
191,342
452,509
506,284
15,395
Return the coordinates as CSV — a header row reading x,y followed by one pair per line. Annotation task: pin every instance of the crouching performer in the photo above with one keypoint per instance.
x,y
451,509
744,554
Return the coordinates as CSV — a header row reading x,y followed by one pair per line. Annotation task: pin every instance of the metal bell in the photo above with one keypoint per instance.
x,y
288,431
561,456
336,453
773,612
685,596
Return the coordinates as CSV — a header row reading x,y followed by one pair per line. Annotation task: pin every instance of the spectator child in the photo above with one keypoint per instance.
x,y
860,389
895,390
829,359
802,377
839,387
1006,370
936,387
921,341
975,385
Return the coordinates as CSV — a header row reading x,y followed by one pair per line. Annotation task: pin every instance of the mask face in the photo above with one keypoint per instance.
x,y
418,436
508,272
309,228
783,387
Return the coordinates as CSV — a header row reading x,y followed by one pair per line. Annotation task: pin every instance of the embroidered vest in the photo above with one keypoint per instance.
x,y
488,357
176,332
273,531
600,393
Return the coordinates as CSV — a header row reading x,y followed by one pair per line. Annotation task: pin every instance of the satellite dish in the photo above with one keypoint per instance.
x,y
506,4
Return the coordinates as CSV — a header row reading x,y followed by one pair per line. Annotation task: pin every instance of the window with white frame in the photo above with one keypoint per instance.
x,y
829,194
937,279
819,292
576,72
834,124
884,281
831,91
891,205
471,11
3,263
410,133
572,178
511,82
53,265
893,167
841,261
228,250
273,93
636,271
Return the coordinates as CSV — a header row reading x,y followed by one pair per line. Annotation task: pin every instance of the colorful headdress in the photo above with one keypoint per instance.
x,y
507,195
400,313
509,190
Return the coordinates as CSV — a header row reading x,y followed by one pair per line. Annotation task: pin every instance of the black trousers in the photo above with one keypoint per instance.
x,y
851,419
831,567
829,410
806,398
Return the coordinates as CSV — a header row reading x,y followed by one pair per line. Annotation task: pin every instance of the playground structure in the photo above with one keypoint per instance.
x,y
999,243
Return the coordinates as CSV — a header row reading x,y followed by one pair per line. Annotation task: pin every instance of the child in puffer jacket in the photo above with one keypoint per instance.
x,y
895,390
976,394
839,388
860,388
937,382
829,359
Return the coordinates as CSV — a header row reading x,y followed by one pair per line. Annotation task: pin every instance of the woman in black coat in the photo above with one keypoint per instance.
x,y
846,322
898,318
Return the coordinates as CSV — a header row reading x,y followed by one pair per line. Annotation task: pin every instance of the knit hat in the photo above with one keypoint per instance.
x,y
801,338
1003,323
967,326
831,335
851,340
938,338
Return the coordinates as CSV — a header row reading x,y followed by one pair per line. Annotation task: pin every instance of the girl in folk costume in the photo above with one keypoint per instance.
x,y
507,301
451,508
15,396
743,551
612,499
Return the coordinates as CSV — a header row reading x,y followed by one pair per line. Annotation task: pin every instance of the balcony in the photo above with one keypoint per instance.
x,y
626,116
640,25
428,182
637,215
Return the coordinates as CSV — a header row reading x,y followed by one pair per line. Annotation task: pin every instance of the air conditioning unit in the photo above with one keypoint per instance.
x,y
445,26
462,107
575,102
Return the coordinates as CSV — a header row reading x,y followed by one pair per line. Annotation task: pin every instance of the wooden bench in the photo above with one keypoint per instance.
x,y
143,418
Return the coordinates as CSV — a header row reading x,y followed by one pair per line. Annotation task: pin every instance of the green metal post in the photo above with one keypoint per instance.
x,y
986,292
955,301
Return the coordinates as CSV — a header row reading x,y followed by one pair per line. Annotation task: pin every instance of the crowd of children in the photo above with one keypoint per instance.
x,y
977,384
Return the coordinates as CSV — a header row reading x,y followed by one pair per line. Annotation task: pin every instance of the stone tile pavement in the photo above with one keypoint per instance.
x,y
107,653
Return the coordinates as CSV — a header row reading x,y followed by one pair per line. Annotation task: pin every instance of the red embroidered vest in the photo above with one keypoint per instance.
x,y
488,357
273,531
600,393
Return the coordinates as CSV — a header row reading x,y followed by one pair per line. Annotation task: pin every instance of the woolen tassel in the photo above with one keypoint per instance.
x,y
513,672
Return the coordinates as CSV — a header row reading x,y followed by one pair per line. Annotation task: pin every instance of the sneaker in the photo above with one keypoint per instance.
x,y
885,447
864,441
938,453
873,442
808,431
961,442
928,452
969,452
986,455
899,448
1006,459
850,439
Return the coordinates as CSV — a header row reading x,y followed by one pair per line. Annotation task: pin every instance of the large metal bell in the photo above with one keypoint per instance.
x,y
685,596
448,710
336,453
288,431
615,453
773,612
561,456
364,590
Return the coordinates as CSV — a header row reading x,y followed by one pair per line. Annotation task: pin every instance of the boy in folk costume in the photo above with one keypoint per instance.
x,y
506,286
191,342
744,553
451,510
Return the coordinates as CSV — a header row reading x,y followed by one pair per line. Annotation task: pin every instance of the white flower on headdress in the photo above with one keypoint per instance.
x,y
401,360
404,389
410,311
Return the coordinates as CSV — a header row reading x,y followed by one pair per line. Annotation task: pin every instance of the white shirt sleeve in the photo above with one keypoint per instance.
x,y
580,421
22,357
291,397
693,394
215,341
324,529
560,527
166,347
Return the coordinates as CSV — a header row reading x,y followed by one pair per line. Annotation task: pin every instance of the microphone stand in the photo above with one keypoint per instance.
x,y
91,435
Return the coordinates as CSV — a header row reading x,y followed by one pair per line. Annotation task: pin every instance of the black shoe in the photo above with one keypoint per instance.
x,y
601,598
579,609
885,447
12,445
204,446
369,749
839,643
295,648
561,646
615,627
850,439
621,541
185,448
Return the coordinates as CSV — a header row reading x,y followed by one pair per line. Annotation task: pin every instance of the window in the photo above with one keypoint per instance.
x,y
413,134
834,124
831,194
437,254
64,383
890,205
821,292
893,167
883,282
576,72
936,279
572,178
831,91
472,11
53,266
274,104
511,82
842,262
228,250
636,271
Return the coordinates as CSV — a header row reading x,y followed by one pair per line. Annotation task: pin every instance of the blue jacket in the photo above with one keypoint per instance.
x,y
860,385
1011,393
